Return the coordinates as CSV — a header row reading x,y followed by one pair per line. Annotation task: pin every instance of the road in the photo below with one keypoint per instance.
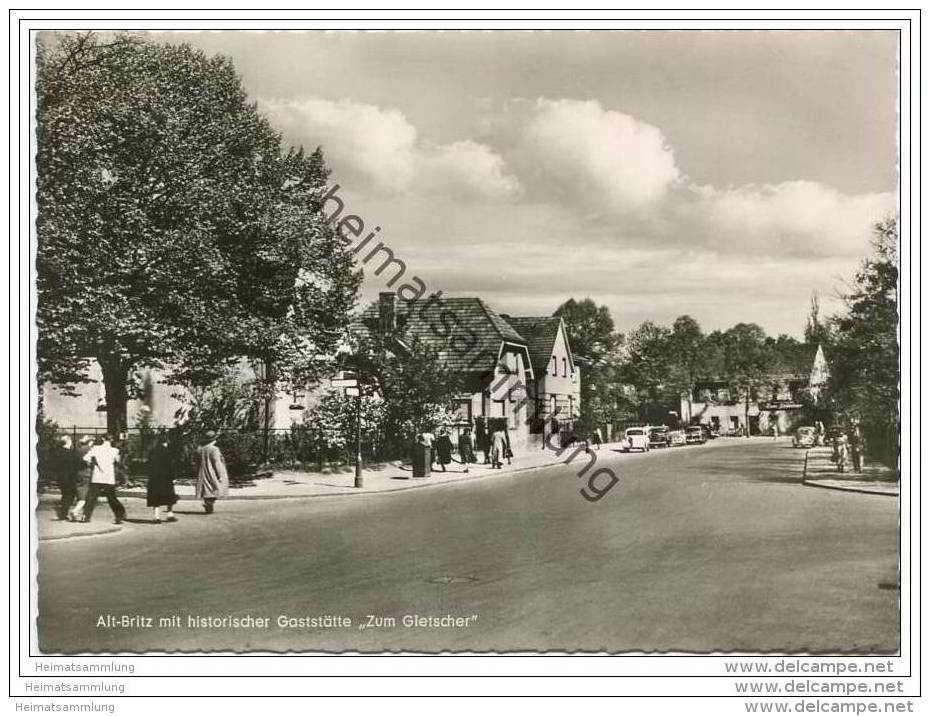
x,y
702,548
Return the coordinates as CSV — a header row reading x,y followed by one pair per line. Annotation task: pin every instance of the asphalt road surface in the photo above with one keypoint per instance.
x,y
697,549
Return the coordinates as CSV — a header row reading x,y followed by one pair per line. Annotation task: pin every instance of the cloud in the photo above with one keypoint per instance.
x,y
378,150
796,218
579,153
609,176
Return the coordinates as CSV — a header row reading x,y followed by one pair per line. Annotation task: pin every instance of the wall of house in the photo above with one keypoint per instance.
x,y
80,411
159,400
509,396
561,382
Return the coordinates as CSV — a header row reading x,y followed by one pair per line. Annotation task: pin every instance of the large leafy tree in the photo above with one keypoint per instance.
x,y
686,343
595,345
747,359
648,367
173,229
865,379
590,328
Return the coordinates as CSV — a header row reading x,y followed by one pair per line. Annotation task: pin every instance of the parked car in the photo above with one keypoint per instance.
x,y
658,437
635,439
805,436
676,438
710,432
695,435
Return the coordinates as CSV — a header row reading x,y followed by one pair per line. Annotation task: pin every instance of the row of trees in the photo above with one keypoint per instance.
x,y
640,376
175,230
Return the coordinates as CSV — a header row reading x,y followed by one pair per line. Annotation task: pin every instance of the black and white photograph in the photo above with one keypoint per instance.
x,y
486,341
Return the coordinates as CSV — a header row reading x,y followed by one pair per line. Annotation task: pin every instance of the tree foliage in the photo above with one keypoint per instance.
x,y
864,365
418,390
174,230
590,328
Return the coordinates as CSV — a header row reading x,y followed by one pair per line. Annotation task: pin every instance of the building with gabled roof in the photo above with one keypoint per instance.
x,y
796,379
556,389
472,339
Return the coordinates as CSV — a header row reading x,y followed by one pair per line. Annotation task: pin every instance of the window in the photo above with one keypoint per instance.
x,y
555,365
564,367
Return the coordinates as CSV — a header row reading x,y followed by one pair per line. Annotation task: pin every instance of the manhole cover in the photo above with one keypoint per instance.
x,y
451,579
889,585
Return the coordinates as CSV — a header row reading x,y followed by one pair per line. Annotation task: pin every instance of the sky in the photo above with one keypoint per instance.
x,y
726,175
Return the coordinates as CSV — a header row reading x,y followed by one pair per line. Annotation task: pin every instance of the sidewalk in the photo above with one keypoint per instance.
x,y
284,484
875,479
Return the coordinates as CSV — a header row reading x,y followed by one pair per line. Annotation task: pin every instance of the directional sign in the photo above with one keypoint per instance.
x,y
352,392
344,383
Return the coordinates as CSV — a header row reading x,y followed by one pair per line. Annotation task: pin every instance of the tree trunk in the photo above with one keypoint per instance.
x,y
115,377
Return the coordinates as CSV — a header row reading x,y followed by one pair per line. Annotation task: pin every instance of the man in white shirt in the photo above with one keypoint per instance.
x,y
103,459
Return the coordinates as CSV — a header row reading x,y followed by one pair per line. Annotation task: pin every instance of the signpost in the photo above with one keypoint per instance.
x,y
349,382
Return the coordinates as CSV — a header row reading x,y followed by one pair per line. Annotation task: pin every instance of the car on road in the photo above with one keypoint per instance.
x,y
635,439
658,437
805,436
677,438
695,435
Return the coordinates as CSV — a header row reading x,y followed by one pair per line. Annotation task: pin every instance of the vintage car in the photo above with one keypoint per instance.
x,y
635,439
658,437
695,435
805,436
676,438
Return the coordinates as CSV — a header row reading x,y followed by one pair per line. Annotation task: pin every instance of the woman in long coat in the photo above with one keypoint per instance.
x,y
466,450
159,492
212,480
443,449
498,448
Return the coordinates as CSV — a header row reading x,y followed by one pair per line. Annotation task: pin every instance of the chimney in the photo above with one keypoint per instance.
x,y
387,312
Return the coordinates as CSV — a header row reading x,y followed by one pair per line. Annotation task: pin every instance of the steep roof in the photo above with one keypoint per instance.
x,y
794,359
477,331
540,333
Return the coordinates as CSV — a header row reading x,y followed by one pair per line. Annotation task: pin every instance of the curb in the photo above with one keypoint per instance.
x,y
843,488
86,535
419,485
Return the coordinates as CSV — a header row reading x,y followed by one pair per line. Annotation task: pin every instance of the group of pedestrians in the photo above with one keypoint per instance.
x,y
849,446
95,467
491,438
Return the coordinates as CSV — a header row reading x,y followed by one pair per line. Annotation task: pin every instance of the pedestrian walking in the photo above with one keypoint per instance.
x,y
212,479
775,429
103,459
159,492
596,438
466,448
65,465
841,448
76,513
443,449
856,447
821,433
498,448
508,453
